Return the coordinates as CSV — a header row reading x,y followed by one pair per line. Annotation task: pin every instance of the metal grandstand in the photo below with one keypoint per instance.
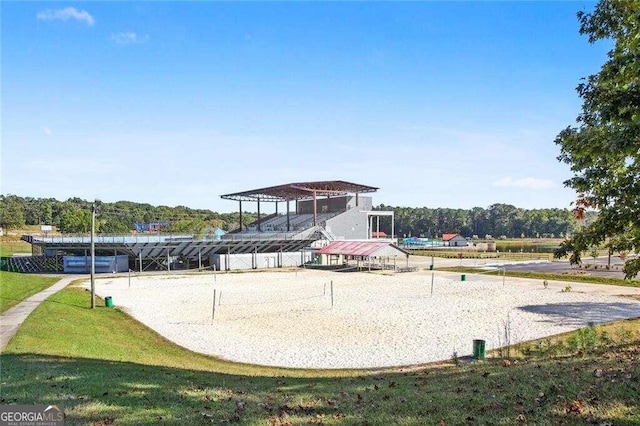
x,y
295,192
162,251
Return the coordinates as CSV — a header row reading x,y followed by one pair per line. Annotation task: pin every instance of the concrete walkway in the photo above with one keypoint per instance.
x,y
13,318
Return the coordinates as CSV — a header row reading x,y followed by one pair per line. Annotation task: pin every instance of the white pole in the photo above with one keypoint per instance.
x,y
332,293
129,277
432,283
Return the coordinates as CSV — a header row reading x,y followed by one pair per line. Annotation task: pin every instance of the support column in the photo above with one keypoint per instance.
x,y
393,225
168,262
315,208
255,258
276,207
288,221
378,226
357,200
240,202
140,261
199,259
259,215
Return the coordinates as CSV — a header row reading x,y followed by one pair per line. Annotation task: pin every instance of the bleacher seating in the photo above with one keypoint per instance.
x,y
33,264
297,222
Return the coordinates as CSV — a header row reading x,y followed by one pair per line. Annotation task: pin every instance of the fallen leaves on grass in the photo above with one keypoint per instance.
x,y
574,407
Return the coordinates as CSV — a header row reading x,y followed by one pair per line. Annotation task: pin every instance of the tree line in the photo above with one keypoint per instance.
x,y
74,216
498,220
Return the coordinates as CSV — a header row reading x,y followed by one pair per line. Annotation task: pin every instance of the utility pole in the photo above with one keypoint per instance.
x,y
93,255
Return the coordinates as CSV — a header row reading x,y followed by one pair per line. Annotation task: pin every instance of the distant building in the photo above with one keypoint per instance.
x,y
216,233
379,234
454,240
149,227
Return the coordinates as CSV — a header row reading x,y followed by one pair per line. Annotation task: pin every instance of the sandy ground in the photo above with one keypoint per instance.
x,y
287,318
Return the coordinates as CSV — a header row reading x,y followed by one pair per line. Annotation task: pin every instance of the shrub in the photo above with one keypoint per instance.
x,y
585,339
455,358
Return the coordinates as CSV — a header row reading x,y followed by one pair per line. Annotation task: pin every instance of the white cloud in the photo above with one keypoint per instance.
x,y
66,14
527,182
129,38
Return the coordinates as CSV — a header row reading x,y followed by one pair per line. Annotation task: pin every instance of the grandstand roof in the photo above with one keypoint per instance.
x,y
300,190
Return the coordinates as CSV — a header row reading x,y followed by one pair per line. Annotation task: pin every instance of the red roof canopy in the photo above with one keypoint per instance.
x,y
359,248
447,237
300,191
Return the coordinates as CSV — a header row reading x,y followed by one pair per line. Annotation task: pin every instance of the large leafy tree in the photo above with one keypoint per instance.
x,y
11,212
603,149
76,221
113,225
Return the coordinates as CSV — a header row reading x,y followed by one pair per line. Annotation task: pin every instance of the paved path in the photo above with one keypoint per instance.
x,y
13,318
423,263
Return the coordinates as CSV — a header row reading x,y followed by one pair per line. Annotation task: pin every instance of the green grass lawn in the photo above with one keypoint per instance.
x,y
471,254
8,247
106,368
589,279
14,287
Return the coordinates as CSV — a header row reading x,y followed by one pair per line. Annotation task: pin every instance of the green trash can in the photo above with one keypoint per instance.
x,y
431,267
478,349
108,302
463,277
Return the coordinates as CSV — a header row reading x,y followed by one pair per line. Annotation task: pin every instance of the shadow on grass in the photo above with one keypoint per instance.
x,y
103,392
580,314
129,393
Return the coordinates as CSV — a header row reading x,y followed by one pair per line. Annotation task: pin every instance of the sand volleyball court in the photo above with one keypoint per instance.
x,y
287,318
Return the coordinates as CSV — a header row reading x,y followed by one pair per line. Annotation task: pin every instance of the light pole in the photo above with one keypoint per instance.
x,y
93,255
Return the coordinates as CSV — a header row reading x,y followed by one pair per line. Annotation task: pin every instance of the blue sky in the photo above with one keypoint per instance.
x,y
440,104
